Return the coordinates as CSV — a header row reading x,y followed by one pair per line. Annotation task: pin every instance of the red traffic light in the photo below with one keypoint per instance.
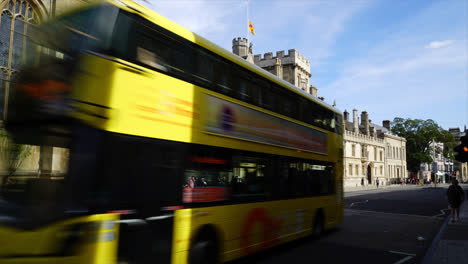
x,y
461,151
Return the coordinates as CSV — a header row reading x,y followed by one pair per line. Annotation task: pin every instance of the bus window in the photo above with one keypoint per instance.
x,y
249,177
296,179
206,178
151,51
204,65
320,179
182,58
222,77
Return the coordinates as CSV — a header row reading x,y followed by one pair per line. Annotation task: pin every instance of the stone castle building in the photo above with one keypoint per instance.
x,y
371,152
291,67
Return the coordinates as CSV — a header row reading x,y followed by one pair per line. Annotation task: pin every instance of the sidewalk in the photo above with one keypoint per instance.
x,y
451,244
396,186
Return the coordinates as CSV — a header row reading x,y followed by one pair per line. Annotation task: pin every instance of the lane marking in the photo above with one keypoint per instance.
x,y
358,203
402,253
403,260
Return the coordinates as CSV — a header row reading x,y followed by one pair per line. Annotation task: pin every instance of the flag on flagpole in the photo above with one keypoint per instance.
x,y
251,27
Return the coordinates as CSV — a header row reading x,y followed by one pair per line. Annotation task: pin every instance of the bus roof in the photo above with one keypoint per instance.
x,y
154,17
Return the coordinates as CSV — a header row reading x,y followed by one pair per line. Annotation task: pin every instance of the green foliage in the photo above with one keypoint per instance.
x,y
12,154
419,135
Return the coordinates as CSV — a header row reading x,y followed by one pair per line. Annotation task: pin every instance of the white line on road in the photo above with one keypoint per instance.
x,y
441,214
403,260
396,214
358,203
401,253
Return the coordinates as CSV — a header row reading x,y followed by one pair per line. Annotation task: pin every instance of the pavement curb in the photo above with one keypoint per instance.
x,y
435,242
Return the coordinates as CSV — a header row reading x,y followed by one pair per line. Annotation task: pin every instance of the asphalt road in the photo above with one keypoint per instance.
x,y
380,226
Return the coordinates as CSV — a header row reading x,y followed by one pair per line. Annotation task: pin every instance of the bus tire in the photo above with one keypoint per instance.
x,y
204,251
319,223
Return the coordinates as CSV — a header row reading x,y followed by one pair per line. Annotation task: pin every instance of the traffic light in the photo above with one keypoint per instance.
x,y
461,151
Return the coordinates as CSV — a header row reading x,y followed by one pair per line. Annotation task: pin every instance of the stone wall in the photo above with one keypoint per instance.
x,y
295,67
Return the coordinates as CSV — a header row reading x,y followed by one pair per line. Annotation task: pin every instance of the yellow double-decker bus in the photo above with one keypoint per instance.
x,y
178,151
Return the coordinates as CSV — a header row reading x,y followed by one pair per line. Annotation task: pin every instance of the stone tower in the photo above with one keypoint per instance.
x,y
240,47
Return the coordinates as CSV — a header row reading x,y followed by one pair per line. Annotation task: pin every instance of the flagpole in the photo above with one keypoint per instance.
x,y
247,36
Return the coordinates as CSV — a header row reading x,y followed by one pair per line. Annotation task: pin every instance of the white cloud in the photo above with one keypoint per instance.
x,y
438,44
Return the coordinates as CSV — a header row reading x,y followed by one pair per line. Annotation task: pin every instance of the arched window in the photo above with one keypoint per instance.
x,y
16,18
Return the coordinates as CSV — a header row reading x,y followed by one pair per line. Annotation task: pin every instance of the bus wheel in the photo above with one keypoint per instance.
x,y
318,227
204,251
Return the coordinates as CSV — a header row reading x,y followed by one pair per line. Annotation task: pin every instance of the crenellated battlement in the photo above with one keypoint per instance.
x,y
292,57
240,40
240,46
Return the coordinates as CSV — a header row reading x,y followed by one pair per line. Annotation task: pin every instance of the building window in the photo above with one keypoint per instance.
x,y
353,150
357,169
363,170
375,153
381,168
16,19
381,155
350,169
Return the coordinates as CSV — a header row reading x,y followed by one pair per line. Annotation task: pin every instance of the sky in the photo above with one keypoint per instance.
x,y
390,58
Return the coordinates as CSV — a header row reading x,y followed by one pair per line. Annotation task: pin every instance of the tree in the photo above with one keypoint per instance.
x,y
12,154
419,135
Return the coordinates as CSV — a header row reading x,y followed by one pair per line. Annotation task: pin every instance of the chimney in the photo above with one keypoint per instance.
x,y
355,121
365,121
386,124
346,115
313,91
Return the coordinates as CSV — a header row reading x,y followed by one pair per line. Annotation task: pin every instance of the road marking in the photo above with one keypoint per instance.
x,y
368,211
441,214
358,203
435,242
402,253
403,260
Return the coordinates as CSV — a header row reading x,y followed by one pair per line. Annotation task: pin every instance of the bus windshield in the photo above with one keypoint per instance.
x,y
64,37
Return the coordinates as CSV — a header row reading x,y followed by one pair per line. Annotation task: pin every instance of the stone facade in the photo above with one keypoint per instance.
x,y
16,18
371,152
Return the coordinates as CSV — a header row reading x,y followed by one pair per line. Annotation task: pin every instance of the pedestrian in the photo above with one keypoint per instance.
x,y
362,181
377,182
455,197
192,182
